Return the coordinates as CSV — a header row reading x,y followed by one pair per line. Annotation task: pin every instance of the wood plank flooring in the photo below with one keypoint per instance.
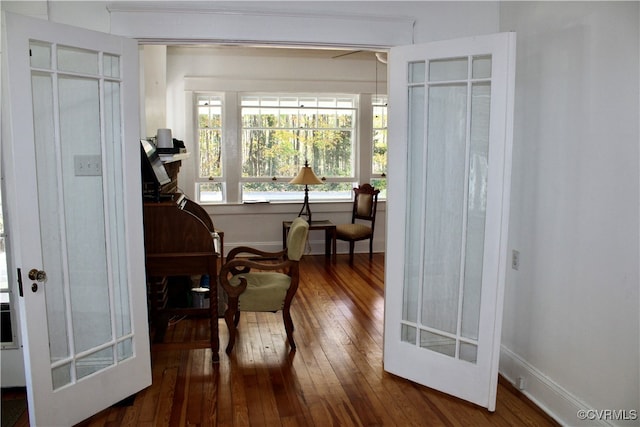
x,y
335,378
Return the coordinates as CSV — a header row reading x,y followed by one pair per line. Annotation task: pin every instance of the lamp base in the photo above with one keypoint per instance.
x,y
305,206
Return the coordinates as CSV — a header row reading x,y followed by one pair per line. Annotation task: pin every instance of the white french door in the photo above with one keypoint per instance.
x,y
447,213
71,162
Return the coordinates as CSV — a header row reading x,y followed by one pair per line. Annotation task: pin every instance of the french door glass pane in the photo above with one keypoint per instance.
x,y
61,375
78,142
448,69
415,186
40,54
77,60
444,201
408,334
417,72
448,140
115,186
476,207
438,343
111,65
51,229
84,212
481,67
125,349
94,362
469,352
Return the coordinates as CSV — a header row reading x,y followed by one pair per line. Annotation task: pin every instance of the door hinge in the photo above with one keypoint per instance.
x,y
20,283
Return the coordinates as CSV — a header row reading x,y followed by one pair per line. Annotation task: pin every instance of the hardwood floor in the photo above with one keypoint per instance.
x,y
335,378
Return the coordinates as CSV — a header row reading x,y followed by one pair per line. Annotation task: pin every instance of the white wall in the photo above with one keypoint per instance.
x,y
571,322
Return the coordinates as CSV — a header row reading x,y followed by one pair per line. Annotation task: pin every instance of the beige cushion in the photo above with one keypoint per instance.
x,y
352,231
265,291
297,239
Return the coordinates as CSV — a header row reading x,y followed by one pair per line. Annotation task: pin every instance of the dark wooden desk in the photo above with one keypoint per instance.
x,y
329,235
177,243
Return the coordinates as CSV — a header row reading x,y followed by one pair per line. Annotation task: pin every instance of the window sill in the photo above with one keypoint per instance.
x,y
282,207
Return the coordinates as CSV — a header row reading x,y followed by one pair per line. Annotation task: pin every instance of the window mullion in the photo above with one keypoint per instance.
x,y
364,144
231,148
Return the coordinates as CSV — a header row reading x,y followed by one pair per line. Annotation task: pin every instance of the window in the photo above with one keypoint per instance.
x,y
281,132
250,145
209,131
379,136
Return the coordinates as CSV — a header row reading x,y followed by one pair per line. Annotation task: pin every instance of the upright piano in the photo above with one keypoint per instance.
x,y
180,240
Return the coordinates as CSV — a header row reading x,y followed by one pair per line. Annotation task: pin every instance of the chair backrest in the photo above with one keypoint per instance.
x,y
365,203
297,239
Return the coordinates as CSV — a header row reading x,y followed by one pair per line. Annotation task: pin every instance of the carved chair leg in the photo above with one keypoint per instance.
x,y
371,248
236,318
288,326
351,248
229,316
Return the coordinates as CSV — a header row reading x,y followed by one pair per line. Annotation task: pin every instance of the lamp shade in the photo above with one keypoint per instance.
x,y
306,176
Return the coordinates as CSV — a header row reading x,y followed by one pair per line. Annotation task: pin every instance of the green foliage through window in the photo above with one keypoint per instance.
x,y
280,132
210,135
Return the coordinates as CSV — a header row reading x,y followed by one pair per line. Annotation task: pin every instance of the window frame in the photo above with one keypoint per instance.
x,y
231,180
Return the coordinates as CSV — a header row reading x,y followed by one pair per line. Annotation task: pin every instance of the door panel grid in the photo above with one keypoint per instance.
x,y
78,155
447,177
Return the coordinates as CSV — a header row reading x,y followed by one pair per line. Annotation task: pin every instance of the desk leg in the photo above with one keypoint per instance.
x,y
333,243
284,237
327,243
161,321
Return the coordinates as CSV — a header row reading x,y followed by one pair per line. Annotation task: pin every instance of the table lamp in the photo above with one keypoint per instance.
x,y
306,177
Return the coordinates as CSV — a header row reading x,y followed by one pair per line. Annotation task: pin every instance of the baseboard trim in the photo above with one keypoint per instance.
x,y
548,395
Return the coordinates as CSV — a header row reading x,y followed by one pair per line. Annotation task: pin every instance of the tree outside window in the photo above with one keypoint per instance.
x,y
209,131
280,133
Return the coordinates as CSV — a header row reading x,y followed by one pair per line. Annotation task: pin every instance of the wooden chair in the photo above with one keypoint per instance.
x,y
270,290
365,205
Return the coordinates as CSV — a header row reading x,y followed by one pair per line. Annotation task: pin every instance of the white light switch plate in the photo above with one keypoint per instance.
x,y
87,165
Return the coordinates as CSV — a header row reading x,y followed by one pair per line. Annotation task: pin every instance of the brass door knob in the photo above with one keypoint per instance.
x,y
37,275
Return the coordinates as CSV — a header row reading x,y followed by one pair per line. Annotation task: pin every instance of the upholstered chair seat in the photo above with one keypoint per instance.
x,y
352,231
265,291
